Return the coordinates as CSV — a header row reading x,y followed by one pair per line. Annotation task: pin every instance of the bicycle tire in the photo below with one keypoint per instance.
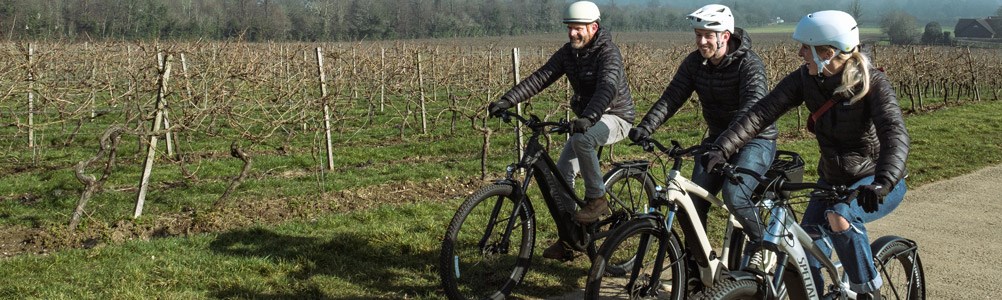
x,y
624,245
630,191
745,289
901,269
730,288
471,271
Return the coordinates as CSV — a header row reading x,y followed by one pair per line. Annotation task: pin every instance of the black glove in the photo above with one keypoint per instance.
x,y
581,125
496,107
713,159
638,134
871,196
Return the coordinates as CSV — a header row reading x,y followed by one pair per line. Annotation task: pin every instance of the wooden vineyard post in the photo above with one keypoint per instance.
x,y
518,107
158,119
424,114
31,104
974,76
167,135
327,109
187,80
306,61
382,78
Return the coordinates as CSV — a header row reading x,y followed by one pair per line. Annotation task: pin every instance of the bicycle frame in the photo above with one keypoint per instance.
x,y
558,194
784,236
793,245
679,195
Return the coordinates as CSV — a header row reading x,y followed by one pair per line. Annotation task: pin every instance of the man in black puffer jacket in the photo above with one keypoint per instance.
x,y
601,101
729,78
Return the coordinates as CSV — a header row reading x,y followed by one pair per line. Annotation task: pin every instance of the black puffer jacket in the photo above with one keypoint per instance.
x,y
596,74
726,91
856,140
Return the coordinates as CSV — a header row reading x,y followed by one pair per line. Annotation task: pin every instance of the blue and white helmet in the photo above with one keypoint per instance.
x,y
828,28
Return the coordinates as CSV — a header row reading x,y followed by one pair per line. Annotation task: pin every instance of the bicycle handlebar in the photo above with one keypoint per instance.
x,y
779,184
675,151
534,123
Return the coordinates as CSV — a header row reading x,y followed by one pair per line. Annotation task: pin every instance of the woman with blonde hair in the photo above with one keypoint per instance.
x,y
860,132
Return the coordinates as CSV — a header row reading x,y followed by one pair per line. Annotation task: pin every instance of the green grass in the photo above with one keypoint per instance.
x,y
390,252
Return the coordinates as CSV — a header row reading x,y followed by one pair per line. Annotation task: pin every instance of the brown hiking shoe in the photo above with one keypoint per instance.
x,y
595,209
558,251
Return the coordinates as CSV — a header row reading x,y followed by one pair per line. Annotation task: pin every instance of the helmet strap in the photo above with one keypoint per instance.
x,y
820,63
720,42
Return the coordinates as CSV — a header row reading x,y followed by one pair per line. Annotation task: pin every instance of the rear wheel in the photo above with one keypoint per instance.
x,y
901,270
637,245
478,259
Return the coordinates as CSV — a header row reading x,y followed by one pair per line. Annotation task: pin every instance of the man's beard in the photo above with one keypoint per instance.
x,y
578,43
707,52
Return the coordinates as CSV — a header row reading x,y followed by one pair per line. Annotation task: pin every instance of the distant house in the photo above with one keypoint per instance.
x,y
987,28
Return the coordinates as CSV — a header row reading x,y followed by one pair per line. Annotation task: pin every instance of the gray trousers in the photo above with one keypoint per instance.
x,y
580,153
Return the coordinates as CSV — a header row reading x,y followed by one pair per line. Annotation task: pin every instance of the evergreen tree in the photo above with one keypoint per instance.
x,y
933,34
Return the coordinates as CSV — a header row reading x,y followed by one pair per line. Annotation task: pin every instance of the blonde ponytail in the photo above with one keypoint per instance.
x,y
856,73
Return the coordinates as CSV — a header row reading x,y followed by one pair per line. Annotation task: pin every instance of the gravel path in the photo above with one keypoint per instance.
x,y
955,223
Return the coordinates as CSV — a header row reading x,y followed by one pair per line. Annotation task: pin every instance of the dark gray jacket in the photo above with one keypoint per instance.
x,y
857,140
596,74
726,91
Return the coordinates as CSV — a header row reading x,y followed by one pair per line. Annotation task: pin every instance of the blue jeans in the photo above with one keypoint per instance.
x,y
580,153
756,155
852,245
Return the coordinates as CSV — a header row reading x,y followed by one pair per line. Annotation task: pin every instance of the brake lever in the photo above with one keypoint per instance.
x,y
729,171
644,144
506,117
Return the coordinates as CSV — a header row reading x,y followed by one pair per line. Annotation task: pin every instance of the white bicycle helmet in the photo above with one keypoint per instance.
x,y
582,12
713,17
827,28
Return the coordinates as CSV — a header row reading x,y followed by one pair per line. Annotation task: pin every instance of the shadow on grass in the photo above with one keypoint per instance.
x,y
383,269
348,257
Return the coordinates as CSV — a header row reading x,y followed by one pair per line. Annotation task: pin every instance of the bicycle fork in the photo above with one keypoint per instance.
x,y
651,288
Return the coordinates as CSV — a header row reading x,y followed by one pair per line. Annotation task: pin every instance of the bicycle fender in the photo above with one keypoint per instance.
x,y
744,275
883,241
515,186
639,166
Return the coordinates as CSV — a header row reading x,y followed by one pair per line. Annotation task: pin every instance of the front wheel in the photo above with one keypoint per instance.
x,y
481,258
899,264
638,244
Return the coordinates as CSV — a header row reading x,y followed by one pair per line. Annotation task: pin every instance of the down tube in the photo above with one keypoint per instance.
x,y
681,191
799,245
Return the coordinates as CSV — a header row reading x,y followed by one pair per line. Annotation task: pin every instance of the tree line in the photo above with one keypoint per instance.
x,y
356,20
306,20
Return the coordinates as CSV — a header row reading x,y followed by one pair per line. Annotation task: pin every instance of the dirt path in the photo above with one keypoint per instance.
x,y
955,223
